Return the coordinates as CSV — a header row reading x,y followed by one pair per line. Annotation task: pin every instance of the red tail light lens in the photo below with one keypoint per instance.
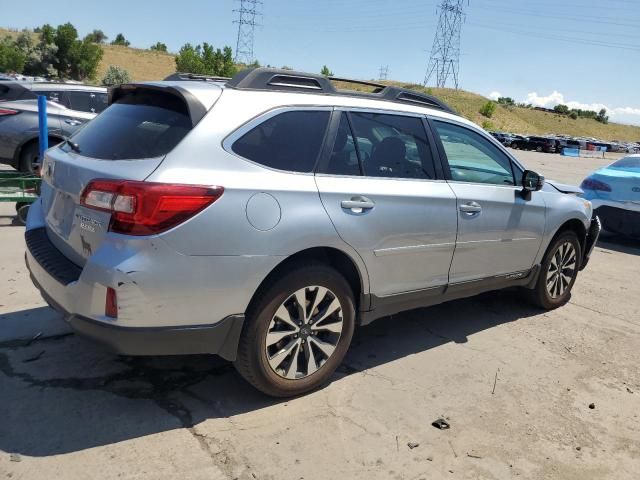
x,y
147,208
7,111
111,303
593,184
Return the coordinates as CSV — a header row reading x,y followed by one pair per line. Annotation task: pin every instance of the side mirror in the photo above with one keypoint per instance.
x,y
531,181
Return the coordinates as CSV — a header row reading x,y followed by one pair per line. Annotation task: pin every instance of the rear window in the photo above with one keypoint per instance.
x,y
289,141
10,91
142,124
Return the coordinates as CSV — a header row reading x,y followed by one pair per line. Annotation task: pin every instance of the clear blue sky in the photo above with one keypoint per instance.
x,y
581,52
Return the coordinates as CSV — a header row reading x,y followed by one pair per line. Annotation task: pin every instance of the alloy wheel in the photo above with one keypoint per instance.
x,y
562,269
304,332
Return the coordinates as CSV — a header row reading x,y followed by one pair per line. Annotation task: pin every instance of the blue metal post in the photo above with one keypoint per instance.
x,y
42,125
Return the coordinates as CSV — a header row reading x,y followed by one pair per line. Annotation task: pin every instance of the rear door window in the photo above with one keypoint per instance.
x,y
289,141
393,146
143,124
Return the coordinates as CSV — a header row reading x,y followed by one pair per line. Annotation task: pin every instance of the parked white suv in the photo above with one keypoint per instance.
x,y
265,217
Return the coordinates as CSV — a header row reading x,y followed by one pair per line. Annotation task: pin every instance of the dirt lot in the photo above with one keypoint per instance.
x,y
514,383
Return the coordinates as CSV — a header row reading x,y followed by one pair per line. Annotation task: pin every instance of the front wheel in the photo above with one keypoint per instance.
x,y
297,332
558,272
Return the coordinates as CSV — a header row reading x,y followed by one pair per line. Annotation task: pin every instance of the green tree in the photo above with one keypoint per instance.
x,y
40,56
488,125
11,58
507,101
205,60
488,109
115,75
120,40
97,36
602,116
573,115
85,60
326,71
562,109
159,47
65,38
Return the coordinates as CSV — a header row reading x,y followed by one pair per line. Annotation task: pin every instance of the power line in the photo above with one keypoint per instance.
x,y
444,61
246,25
384,73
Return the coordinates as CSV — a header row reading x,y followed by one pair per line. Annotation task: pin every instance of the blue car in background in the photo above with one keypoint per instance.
x,y
614,192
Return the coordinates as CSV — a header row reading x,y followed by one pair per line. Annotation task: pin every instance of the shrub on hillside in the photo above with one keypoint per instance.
x,y
120,40
97,36
326,71
159,47
488,109
115,75
487,125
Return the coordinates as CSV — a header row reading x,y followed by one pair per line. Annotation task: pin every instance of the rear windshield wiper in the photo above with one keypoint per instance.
x,y
74,146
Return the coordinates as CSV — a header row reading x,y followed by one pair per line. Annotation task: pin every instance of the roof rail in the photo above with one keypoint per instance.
x,y
195,76
287,80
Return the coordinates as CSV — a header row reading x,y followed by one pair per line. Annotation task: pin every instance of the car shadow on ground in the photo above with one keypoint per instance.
x,y
619,243
64,394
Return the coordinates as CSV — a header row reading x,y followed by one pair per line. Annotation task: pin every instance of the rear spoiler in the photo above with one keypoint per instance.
x,y
196,109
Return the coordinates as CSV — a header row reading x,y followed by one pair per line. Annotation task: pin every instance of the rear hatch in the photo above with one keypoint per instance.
x,y
127,141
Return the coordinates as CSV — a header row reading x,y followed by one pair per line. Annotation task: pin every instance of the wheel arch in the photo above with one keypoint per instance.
x,y
53,139
341,261
572,225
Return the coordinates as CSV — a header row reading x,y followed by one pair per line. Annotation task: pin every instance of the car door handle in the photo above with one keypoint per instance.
x,y
470,208
358,204
72,122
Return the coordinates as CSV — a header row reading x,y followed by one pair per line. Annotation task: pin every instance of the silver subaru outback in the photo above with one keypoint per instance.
x,y
263,218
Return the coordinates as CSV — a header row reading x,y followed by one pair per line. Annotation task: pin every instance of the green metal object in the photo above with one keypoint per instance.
x,y
19,187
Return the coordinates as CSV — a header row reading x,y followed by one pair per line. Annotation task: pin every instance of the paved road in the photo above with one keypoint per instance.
x,y
514,383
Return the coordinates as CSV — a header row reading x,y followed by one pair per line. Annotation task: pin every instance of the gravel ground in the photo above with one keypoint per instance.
x,y
515,384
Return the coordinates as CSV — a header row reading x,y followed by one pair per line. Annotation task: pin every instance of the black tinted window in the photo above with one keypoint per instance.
x,y
139,125
77,101
392,146
344,159
289,141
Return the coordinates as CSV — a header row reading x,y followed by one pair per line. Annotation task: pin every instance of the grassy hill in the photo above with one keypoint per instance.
x,y
148,65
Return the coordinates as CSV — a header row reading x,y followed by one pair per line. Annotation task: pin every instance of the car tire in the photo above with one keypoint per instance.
x,y
538,149
558,272
278,368
29,155
23,211
514,146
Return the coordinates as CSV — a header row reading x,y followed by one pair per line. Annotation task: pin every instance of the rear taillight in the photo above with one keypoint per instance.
x,y
111,303
593,184
7,111
146,208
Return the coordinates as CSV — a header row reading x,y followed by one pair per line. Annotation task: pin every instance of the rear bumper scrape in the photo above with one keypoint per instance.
x,y
221,338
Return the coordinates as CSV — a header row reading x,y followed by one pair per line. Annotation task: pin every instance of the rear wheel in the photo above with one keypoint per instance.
x,y
558,272
297,332
29,157
538,149
23,211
